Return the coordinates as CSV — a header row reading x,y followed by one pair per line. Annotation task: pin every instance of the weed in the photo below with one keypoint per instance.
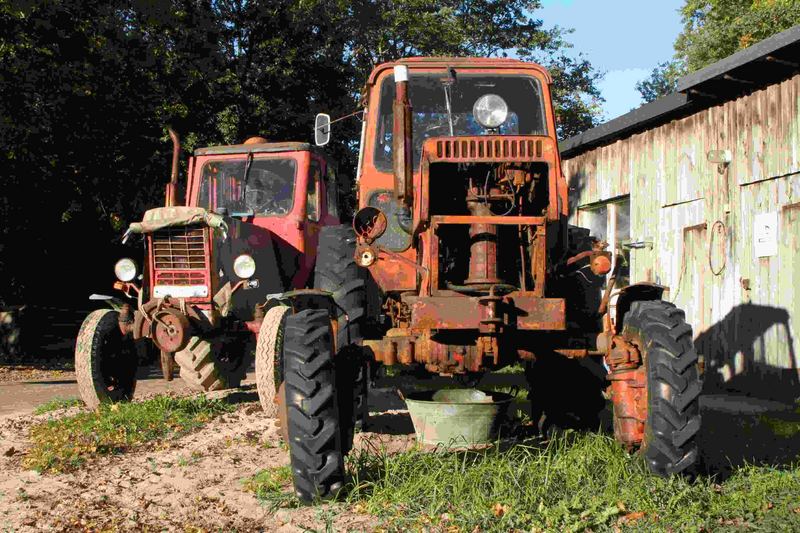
x,y
65,444
574,482
57,403
193,458
270,486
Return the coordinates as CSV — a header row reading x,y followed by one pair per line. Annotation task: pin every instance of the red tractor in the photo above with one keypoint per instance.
x,y
246,237
464,262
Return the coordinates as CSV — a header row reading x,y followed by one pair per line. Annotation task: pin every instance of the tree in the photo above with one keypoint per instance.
x,y
87,89
662,81
715,29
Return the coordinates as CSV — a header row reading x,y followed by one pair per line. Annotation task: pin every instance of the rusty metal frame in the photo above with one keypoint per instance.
x,y
432,288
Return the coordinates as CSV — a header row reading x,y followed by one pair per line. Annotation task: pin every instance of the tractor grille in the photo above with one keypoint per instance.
x,y
491,148
179,256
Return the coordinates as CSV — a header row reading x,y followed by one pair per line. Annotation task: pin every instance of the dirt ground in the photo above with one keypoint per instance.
x,y
190,483
194,483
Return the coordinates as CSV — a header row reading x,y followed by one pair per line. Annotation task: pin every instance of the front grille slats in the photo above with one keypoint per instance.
x,y
179,256
487,148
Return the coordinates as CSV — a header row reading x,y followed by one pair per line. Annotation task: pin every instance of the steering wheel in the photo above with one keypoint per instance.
x,y
260,196
260,201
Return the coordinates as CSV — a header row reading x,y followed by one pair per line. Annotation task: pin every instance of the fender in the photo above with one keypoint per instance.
x,y
298,300
637,292
112,301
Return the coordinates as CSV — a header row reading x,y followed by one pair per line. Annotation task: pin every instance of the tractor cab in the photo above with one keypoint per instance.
x,y
286,188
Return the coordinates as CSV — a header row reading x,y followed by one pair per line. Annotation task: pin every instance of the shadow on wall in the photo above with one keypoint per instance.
x,y
734,350
576,183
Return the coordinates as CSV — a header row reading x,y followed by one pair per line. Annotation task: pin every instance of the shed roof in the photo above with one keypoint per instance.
x,y
765,63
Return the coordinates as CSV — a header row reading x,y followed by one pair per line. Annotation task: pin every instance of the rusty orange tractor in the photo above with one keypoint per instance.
x,y
245,241
464,262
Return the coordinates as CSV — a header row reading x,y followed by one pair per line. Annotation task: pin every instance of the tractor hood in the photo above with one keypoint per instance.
x,y
165,217
230,238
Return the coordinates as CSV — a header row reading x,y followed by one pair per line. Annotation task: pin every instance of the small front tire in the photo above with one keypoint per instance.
x,y
315,445
671,397
105,360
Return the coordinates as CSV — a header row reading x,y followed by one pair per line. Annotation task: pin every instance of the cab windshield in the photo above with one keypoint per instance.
x,y
266,190
429,94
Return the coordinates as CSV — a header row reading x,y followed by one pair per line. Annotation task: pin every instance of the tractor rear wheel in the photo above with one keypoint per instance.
x,y
205,366
670,399
312,409
336,271
105,360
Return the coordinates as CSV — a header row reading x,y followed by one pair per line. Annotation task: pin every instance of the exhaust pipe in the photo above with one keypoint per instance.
x,y
402,157
172,186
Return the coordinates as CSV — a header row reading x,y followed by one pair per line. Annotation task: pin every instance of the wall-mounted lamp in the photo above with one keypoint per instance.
x,y
721,158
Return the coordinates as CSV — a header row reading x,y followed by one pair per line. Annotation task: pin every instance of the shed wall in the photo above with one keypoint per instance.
x,y
700,219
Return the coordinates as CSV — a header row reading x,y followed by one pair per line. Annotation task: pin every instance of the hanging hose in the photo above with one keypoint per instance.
x,y
720,227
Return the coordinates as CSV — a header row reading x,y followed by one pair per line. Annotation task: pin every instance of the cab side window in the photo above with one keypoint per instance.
x,y
315,173
331,188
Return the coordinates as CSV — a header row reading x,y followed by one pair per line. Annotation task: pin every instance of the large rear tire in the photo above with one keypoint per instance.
x,y
105,361
314,434
205,367
336,271
671,399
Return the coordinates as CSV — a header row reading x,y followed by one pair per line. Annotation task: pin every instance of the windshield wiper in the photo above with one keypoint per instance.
x,y
247,166
447,84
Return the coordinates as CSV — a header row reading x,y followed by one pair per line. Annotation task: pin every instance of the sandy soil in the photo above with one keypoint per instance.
x,y
190,483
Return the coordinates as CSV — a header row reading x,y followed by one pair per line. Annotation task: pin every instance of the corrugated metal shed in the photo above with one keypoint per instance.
x,y
725,237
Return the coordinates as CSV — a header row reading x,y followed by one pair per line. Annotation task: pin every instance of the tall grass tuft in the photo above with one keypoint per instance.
x,y
65,444
574,482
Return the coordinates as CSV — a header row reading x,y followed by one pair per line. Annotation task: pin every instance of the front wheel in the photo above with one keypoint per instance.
x,y
105,360
314,431
656,405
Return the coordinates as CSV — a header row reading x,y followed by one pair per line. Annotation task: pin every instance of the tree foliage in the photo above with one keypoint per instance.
x,y
662,81
87,88
715,29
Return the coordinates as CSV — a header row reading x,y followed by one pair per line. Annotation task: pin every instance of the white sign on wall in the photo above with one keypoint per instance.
x,y
765,234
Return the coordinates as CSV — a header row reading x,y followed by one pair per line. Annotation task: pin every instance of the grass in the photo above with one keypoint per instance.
x,y
65,444
273,487
57,403
576,482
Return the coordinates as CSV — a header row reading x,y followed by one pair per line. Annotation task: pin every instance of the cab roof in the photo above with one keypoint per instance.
x,y
460,62
260,148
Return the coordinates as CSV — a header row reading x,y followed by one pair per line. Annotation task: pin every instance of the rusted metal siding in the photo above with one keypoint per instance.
x,y
700,217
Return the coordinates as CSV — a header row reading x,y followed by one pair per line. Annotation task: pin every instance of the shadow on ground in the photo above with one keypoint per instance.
x,y
737,429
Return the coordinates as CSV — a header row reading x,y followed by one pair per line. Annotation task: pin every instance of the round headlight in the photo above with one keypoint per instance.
x,y
244,266
125,269
490,111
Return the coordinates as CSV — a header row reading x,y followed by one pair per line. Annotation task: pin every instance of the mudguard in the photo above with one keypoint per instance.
x,y
637,292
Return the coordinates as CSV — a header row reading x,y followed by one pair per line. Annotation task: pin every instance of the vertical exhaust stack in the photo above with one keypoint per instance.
x,y
172,186
402,157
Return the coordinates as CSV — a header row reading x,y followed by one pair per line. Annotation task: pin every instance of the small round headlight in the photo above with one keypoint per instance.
x,y
490,111
125,269
244,266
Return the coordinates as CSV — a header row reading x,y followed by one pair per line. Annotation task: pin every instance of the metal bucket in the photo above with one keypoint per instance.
x,y
457,417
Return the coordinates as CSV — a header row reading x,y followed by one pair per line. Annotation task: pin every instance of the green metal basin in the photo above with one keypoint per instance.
x,y
457,417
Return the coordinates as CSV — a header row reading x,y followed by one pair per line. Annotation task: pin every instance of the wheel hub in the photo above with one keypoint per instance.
x,y
170,330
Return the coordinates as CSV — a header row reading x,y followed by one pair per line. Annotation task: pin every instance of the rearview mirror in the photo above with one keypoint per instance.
x,y
322,129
